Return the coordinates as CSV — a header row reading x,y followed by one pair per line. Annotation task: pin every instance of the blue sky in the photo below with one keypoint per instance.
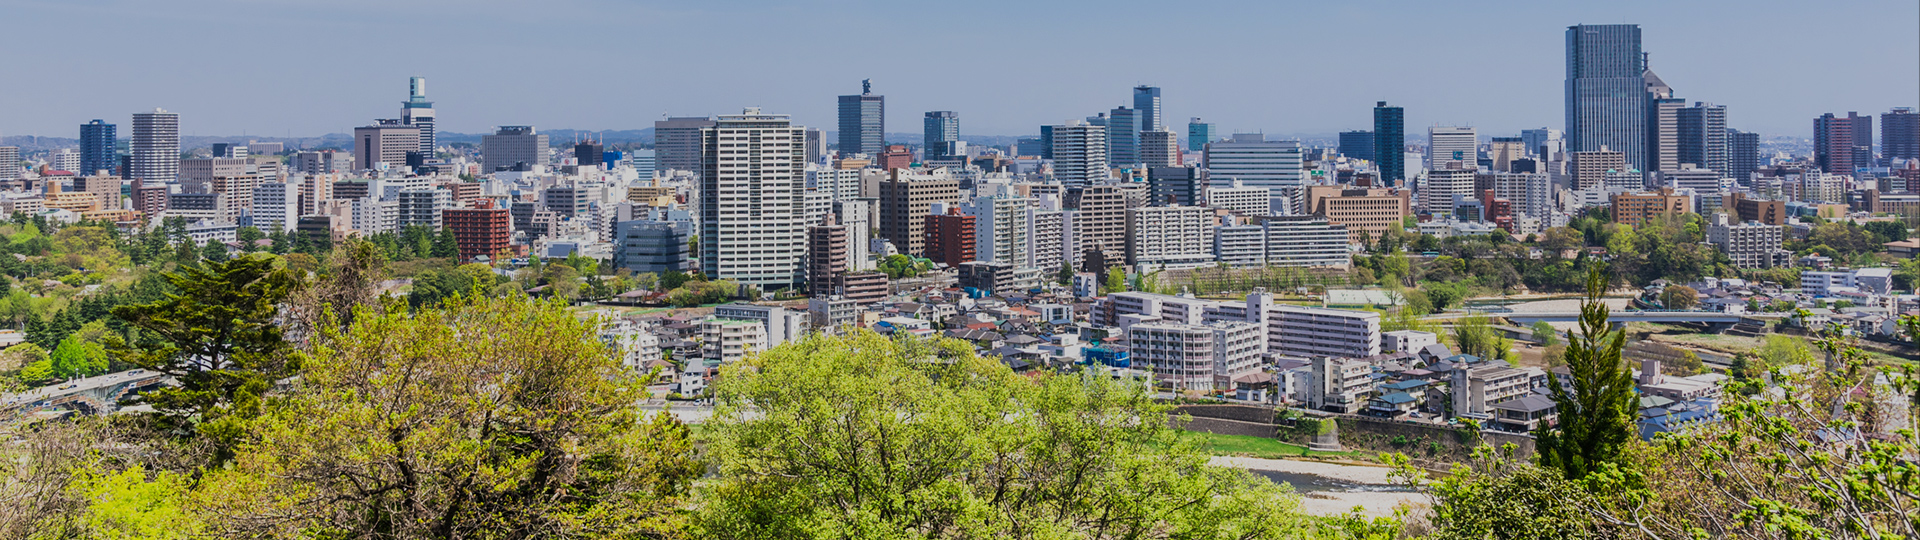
x,y
276,67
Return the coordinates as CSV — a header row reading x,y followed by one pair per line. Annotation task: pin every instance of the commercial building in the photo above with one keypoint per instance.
x,y
1443,184
906,198
1663,124
1751,245
1743,155
1240,198
941,137
1390,143
1159,149
863,122
416,111
1367,214
949,236
512,147
1170,237
97,148
1636,208
1123,137
1146,103
384,145
751,219
1606,91
1357,144
1504,151
1252,159
155,146
1842,144
677,143
1703,138
421,206
486,229
1198,134
1446,144
1900,134
1079,153
1168,186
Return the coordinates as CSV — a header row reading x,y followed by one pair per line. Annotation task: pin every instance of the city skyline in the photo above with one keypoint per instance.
x,y
1242,87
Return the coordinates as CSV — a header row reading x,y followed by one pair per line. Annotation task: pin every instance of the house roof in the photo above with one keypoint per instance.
x,y
1397,398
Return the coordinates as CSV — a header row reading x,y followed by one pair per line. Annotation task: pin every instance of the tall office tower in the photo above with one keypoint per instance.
x,y
1123,137
1146,101
905,201
1198,134
97,148
1390,143
1079,153
1900,134
676,143
1703,137
1174,186
1663,117
1606,91
1840,143
9,162
418,112
156,147
1357,144
589,153
1504,150
1257,162
863,122
1160,148
1590,168
751,219
941,139
385,143
1449,144
1543,142
1743,155
512,146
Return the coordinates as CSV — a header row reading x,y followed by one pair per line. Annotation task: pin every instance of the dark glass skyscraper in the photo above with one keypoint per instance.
x,y
863,122
941,138
1123,137
1357,144
1900,134
1146,102
1743,155
1607,91
1390,143
1843,143
1703,137
97,148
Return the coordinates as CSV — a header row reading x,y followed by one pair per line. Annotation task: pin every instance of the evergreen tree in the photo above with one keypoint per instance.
x,y
1066,274
444,245
1597,415
214,251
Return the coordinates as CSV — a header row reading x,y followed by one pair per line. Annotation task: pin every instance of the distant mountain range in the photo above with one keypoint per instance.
x,y
557,137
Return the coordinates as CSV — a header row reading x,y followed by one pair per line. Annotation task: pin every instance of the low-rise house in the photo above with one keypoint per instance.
x,y
1526,413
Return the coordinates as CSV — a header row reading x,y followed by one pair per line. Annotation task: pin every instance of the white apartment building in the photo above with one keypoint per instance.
x,y
1257,162
1080,153
1530,193
156,147
276,207
1447,144
1306,241
1819,187
1159,148
751,228
421,206
842,184
1477,389
857,215
1241,199
1002,233
1171,237
1442,184
1240,246
1048,231
1202,357
373,216
1338,384
1751,245
724,341
1290,329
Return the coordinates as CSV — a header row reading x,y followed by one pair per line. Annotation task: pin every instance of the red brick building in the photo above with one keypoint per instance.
x,y
1499,211
481,230
950,237
897,156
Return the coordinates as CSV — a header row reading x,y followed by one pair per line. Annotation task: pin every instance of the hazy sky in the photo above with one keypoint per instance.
x,y
278,67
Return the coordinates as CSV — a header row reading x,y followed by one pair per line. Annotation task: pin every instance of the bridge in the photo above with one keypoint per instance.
x,y
93,395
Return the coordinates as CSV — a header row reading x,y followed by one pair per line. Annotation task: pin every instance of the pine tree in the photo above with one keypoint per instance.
x,y
444,245
1597,415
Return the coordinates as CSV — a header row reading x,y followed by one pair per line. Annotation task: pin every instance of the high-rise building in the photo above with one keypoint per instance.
x,y
1306,241
155,146
863,122
1258,162
1169,186
1123,137
276,206
486,229
676,143
1900,134
942,136
512,146
1159,149
1146,103
1079,153
1544,143
1098,225
65,159
9,162
421,206
1590,168
1390,143
97,146
1743,155
751,219
1504,151
906,198
1839,142
1367,214
1606,91
1357,144
1443,184
641,245
950,235
418,112
827,256
1663,133
385,143
1002,230
1447,144
1198,134
589,154
1703,137
1172,237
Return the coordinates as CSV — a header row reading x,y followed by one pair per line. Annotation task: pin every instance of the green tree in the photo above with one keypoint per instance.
x,y
1491,497
1475,335
1116,280
1065,276
214,251
78,358
861,436
1545,334
219,337
1597,414
246,235
1680,297
128,505
1444,295
484,418
444,246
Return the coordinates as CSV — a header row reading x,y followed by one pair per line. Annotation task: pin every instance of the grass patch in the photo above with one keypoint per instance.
x,y
1256,447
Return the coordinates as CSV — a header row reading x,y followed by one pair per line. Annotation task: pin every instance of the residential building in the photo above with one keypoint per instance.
x,y
1764,211
1743,155
322,162
863,122
724,341
276,206
155,146
1443,185
1447,144
1751,245
487,230
1636,208
1338,384
751,219
1201,357
1314,332
1590,168
1477,389
950,235
1258,162
1159,148
1002,231
1047,236
827,256
384,145
1098,224
422,206
1900,134
1606,91
1504,151
677,143
866,287
1171,237
906,198
98,148
512,148
858,216
1240,245
1390,143
1079,153
1531,193
1407,341
1240,198
1306,241
1842,144
831,312
1367,214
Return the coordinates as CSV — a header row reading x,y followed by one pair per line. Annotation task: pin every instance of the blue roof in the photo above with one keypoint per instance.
x,y
1396,398
1466,358
1405,385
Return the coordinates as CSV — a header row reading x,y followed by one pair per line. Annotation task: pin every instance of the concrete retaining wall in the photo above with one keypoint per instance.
x,y
1243,413
1230,427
